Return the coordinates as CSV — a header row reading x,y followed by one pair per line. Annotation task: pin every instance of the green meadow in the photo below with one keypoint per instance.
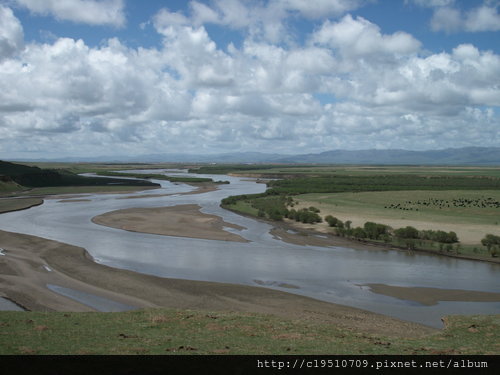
x,y
197,332
449,206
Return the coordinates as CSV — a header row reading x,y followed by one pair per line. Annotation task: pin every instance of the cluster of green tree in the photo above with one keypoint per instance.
x,y
156,177
276,207
233,199
36,177
272,207
343,183
370,230
305,215
376,231
439,236
492,243
431,235
268,204
334,222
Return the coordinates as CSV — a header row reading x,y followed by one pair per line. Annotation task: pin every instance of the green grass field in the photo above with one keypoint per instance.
x,y
368,170
244,208
7,187
429,206
195,332
470,214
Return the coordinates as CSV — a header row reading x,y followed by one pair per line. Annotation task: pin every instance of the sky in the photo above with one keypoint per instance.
x,y
89,78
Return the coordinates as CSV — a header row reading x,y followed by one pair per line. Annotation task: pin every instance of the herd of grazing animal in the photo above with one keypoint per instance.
x,y
444,203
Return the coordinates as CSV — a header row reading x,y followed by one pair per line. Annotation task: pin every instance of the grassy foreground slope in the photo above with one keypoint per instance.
x,y
165,331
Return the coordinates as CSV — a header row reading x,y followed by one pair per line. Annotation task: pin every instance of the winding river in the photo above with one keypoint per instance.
x,y
331,274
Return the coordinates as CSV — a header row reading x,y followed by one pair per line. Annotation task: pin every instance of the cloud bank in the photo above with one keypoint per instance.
x,y
347,85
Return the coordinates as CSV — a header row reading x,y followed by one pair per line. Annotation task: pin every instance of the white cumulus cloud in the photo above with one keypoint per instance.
x,y
11,33
452,19
360,37
93,12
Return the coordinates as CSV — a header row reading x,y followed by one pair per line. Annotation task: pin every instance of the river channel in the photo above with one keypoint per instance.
x,y
331,274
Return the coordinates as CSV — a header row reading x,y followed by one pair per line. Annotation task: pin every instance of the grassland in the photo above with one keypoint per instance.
x,y
7,187
244,207
347,170
471,222
166,331
7,205
383,204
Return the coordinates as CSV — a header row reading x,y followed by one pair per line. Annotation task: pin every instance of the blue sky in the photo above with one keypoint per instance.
x,y
127,77
390,15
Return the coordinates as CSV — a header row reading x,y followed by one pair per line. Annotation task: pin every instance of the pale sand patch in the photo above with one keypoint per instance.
x,y
307,236
73,200
431,296
26,279
180,221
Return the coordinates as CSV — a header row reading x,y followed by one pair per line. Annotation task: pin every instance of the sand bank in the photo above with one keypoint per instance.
x,y
310,237
74,200
431,296
23,278
181,221
201,188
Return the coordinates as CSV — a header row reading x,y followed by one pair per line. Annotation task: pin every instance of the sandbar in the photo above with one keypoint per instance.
x,y
74,200
201,188
431,296
181,221
305,236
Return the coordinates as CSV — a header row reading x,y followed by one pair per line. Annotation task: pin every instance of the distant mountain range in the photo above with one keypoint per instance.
x,y
450,156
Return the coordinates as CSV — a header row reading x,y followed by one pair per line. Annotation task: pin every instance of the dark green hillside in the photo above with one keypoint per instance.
x,y
7,185
32,177
156,177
